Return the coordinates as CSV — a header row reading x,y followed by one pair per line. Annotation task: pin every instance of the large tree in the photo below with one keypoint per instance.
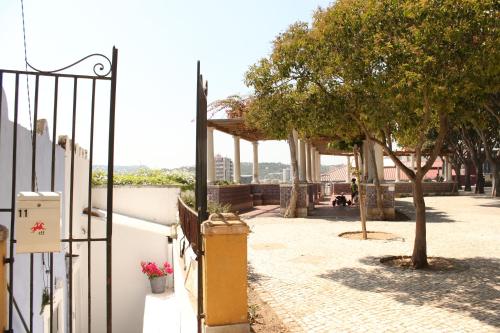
x,y
401,66
395,70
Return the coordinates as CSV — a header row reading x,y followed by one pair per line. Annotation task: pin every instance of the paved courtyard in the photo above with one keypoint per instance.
x,y
318,282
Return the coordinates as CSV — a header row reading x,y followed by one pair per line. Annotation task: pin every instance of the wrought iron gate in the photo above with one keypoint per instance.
x,y
105,70
201,179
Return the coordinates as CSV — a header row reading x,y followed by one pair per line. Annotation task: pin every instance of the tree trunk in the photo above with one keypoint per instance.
x,y
456,167
495,171
376,181
419,256
479,178
291,210
467,185
361,199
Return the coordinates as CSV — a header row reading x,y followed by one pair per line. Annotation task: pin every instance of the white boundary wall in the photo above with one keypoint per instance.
x,y
23,183
133,241
151,203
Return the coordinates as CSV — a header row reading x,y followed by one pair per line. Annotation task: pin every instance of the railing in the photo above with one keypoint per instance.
x,y
189,220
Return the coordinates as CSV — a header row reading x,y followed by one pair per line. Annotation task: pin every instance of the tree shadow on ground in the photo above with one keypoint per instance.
x,y
406,212
473,290
338,213
253,276
492,201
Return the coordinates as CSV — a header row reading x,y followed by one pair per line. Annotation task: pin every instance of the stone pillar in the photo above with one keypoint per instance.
x,y
412,162
210,156
450,169
225,299
318,167
237,165
302,161
308,163
348,169
255,179
379,160
313,164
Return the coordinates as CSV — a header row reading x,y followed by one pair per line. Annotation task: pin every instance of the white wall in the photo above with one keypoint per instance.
x,y
23,183
152,203
133,241
186,286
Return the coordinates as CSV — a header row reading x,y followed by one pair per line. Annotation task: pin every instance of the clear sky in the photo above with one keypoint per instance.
x,y
159,42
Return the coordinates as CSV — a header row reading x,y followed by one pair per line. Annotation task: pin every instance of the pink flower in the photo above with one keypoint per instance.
x,y
152,270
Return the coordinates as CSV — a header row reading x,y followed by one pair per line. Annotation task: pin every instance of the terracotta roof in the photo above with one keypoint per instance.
x,y
339,173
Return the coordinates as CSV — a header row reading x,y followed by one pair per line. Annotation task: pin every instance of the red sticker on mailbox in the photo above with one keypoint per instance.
x,y
39,226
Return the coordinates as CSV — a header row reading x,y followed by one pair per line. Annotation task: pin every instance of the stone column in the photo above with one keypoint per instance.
x,y
255,179
210,156
412,162
237,165
450,169
379,160
302,160
398,174
308,163
348,169
318,167
313,164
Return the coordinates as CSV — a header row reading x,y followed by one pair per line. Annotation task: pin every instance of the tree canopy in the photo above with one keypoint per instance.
x,y
391,71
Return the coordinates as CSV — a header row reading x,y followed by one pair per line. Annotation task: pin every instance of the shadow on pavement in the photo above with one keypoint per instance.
x,y
407,211
492,201
474,291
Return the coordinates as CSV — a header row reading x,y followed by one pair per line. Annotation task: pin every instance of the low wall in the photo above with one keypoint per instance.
x,y
238,196
270,193
339,188
152,203
430,188
369,191
134,241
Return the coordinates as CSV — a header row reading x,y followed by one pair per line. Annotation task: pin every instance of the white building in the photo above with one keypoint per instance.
x,y
223,168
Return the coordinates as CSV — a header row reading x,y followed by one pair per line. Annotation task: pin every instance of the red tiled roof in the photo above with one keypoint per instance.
x,y
339,173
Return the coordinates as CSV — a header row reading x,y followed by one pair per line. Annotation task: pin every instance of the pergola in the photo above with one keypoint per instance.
x,y
309,153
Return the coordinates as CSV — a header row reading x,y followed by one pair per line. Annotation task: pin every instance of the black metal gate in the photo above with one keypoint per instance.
x,y
105,70
201,179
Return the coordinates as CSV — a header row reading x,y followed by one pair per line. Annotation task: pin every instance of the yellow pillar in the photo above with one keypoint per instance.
x,y
225,300
4,234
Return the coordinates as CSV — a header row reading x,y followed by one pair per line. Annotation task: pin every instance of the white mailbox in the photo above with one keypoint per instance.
x,y
38,222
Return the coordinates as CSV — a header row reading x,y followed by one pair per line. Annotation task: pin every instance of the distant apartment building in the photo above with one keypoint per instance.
x,y
223,168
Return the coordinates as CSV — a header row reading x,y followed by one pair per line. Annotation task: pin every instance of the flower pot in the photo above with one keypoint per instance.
x,y
158,284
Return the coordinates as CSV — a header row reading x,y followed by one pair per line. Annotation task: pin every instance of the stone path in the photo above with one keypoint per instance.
x,y
318,282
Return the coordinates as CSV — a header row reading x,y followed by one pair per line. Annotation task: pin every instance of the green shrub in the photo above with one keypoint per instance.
x,y
216,208
147,177
189,199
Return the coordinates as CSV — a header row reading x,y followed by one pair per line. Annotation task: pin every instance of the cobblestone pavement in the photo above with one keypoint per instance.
x,y
318,282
